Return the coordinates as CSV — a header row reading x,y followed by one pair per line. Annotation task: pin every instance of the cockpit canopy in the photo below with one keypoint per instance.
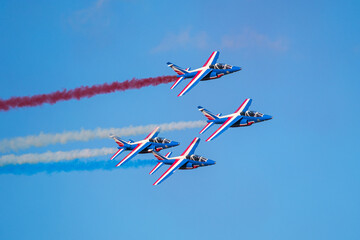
x,y
159,140
220,66
196,158
252,114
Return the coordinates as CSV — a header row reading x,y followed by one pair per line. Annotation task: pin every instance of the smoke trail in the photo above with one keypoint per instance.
x,y
81,92
69,166
46,157
44,139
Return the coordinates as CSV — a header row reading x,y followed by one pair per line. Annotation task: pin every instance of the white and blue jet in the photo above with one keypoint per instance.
x,y
210,70
242,117
187,160
149,144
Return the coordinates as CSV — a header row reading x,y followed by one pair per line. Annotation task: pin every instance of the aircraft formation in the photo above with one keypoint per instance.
x,y
242,117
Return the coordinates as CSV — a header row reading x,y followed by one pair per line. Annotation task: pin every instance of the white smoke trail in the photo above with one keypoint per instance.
x,y
45,139
33,158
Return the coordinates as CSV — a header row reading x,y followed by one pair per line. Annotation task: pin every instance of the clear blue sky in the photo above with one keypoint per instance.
x,y
294,177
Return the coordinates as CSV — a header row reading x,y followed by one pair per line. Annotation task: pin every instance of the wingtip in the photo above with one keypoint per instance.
x,y
118,165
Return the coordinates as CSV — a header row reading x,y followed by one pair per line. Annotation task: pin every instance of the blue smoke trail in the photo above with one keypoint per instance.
x,y
69,166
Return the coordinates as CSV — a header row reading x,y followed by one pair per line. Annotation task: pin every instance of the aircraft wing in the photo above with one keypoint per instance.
x,y
175,166
191,148
153,134
117,153
230,121
178,80
212,59
156,167
244,106
195,80
136,150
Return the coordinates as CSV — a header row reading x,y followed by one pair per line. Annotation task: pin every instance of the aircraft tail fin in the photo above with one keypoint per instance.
x,y
209,115
159,156
177,69
119,141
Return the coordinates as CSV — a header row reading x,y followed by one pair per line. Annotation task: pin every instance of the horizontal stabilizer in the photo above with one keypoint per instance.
x,y
209,115
177,69
119,141
159,156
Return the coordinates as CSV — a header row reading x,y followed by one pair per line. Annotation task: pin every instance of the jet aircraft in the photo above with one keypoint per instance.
x,y
149,144
240,118
187,160
210,70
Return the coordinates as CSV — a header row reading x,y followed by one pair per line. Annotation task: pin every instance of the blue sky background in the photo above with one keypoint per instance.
x,y
294,177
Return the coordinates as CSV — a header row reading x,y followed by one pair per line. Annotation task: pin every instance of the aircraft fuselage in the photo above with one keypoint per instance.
x,y
191,164
152,147
244,121
214,74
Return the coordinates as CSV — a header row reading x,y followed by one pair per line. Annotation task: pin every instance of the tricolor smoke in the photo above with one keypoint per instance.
x,y
33,158
69,166
81,92
45,139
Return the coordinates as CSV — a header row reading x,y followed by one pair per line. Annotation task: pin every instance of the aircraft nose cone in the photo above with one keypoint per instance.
x,y
175,143
211,162
267,117
236,68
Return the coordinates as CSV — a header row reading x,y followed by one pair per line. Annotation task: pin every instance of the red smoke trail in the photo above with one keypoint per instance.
x,y
81,92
